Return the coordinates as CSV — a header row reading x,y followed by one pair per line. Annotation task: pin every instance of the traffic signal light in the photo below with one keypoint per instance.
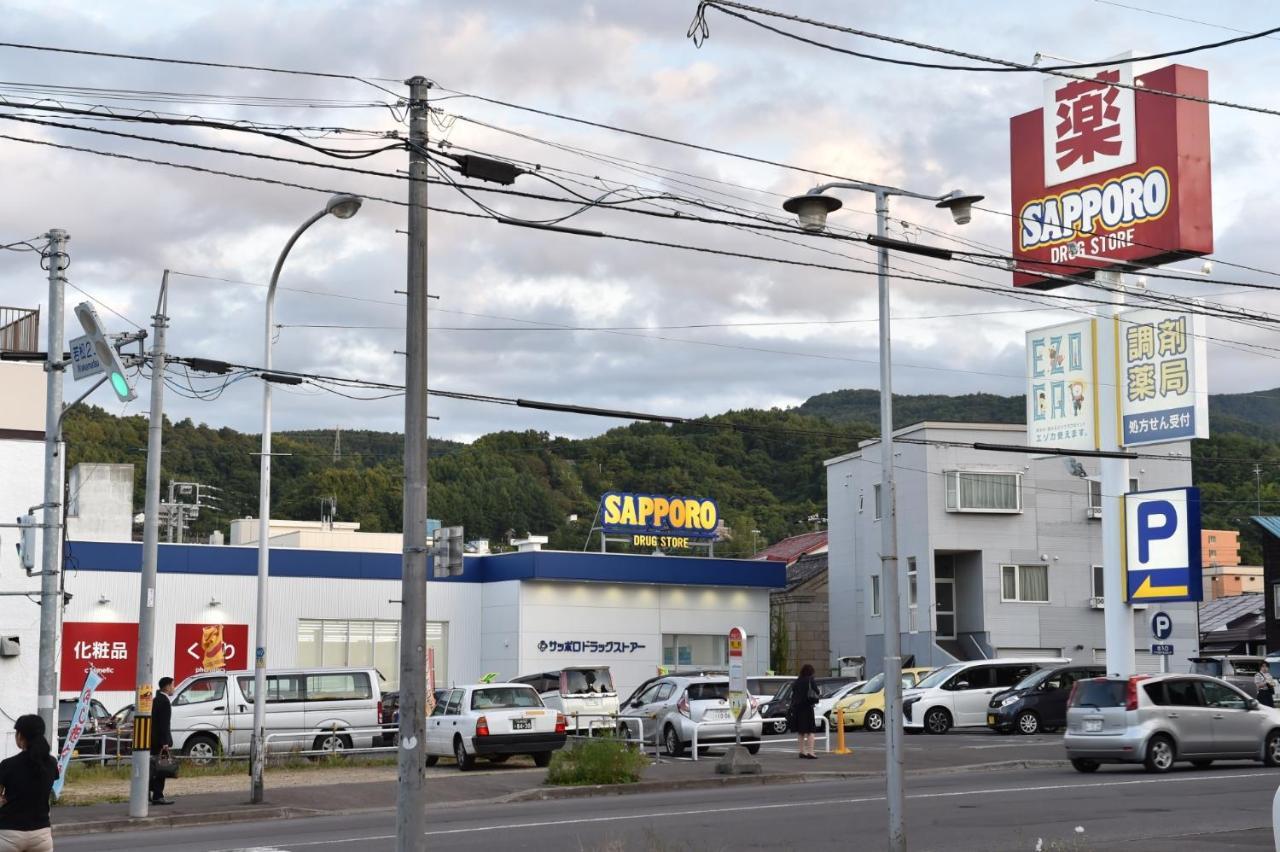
x,y
27,542
107,355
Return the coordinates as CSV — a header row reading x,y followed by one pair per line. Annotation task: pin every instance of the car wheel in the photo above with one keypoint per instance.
x,y
873,721
1271,753
671,740
753,748
202,749
1028,723
332,744
937,721
780,726
1160,754
542,758
1202,764
466,762
1082,765
432,759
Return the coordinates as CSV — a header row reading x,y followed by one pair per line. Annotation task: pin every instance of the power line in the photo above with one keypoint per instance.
x,y
699,32
1176,17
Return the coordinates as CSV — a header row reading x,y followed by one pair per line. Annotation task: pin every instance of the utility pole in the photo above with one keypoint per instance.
x,y
50,600
411,814
1257,478
141,775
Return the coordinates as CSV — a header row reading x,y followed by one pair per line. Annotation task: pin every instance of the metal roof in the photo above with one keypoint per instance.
x,y
1222,613
1270,523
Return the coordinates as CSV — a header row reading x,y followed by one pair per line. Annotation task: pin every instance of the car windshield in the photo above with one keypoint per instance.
x,y
874,685
1034,679
1099,693
708,691
501,697
588,681
939,677
1213,668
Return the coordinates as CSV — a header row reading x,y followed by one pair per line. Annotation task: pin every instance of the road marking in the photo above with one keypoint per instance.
x,y
666,815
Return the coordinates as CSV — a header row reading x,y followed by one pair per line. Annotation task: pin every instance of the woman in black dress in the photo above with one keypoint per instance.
x,y
804,697
26,780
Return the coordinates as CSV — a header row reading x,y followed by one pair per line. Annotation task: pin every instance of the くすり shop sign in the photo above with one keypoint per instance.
x,y
208,648
658,521
1103,175
110,647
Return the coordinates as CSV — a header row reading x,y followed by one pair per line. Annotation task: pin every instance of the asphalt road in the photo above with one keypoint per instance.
x,y
1222,808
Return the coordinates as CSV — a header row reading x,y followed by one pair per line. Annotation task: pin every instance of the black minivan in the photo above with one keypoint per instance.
x,y
1038,703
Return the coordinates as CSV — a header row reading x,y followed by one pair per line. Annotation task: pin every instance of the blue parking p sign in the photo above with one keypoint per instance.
x,y
1162,546
1161,626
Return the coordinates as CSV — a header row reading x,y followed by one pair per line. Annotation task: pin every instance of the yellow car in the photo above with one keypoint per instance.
x,y
864,707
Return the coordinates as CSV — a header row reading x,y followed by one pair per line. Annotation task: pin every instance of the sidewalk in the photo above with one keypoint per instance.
x,y
355,788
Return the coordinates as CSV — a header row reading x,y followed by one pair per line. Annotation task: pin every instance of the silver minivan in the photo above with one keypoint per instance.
x,y
307,709
1163,719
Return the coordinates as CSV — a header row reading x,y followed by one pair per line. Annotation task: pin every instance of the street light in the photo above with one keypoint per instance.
x,y
340,207
812,209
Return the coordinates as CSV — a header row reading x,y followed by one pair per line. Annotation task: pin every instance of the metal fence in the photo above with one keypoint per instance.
x,y
19,329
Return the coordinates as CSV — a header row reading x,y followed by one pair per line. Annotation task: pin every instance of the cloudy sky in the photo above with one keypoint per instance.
x,y
763,335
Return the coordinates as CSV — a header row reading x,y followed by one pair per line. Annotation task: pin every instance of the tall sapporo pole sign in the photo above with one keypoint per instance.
x,y
1109,176
739,698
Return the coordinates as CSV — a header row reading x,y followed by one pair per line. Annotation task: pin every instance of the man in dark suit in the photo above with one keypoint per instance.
x,y
161,736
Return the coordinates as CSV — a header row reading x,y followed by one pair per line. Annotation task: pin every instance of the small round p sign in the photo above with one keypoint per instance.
x,y
1161,626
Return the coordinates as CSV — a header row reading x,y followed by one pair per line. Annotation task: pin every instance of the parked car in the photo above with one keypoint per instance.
x,y
775,711
1236,669
1162,719
830,696
324,709
1039,701
99,716
957,695
581,693
391,715
495,721
763,688
673,706
864,706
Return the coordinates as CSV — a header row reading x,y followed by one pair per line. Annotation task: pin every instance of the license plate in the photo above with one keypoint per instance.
x,y
1092,726
991,718
522,724
717,715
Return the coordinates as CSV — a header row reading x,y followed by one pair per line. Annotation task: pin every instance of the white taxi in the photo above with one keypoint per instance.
x,y
494,721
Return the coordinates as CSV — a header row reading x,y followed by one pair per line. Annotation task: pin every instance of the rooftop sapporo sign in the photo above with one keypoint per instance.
x,y
1103,175
626,513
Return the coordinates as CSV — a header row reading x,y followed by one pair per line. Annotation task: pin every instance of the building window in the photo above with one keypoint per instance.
x,y
912,594
1024,583
1213,539
1098,582
876,491
983,491
1095,494
875,595
687,650
366,642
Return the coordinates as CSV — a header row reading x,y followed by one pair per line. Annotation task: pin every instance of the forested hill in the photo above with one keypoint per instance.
x,y
764,468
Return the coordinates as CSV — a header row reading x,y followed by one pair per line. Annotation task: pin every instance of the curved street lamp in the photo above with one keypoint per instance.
x,y
812,209
340,207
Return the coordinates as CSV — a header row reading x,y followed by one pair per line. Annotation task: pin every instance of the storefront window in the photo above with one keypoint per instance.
x,y
366,642
686,650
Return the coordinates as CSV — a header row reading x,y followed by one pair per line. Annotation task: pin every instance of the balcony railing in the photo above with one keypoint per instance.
x,y
19,329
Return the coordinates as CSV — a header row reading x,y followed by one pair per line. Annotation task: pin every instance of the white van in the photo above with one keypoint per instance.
x,y
322,709
957,695
581,693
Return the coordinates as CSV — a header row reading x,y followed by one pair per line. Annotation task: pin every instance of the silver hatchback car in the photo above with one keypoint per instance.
x,y
673,707
1162,719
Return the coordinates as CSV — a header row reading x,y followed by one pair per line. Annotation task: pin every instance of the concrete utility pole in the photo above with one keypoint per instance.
x,y
411,817
50,599
141,775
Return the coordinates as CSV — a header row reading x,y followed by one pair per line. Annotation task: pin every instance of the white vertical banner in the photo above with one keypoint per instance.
x,y
1062,386
1163,376
78,722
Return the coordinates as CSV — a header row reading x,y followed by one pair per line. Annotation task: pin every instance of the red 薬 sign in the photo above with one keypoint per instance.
x,y
111,647
1103,177
208,647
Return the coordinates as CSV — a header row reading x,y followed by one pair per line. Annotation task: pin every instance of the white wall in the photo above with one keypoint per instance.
x,y
100,502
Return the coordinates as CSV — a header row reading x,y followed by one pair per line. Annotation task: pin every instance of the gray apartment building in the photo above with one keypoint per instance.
x,y
1000,553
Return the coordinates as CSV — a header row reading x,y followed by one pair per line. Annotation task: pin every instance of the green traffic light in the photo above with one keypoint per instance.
x,y
119,384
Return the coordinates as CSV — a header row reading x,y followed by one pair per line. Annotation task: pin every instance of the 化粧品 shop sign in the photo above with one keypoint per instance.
x,y
626,513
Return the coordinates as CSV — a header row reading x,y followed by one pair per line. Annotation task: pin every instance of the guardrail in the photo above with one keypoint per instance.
x,y
826,735
312,734
611,722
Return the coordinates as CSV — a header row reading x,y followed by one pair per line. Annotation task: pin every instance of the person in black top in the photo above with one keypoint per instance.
x,y
26,781
804,697
161,736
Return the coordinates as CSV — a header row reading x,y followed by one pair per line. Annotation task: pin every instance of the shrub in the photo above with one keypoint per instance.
x,y
598,760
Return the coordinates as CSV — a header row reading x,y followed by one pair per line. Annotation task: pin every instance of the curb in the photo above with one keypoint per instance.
x,y
73,829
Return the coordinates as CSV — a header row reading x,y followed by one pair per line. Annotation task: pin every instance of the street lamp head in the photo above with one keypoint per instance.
x,y
960,205
812,209
343,206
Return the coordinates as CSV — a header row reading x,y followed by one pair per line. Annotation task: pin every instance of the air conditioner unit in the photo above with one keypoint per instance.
x,y
1095,512
1096,603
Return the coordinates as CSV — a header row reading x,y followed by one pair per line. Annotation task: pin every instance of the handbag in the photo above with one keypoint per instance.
x,y
163,765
